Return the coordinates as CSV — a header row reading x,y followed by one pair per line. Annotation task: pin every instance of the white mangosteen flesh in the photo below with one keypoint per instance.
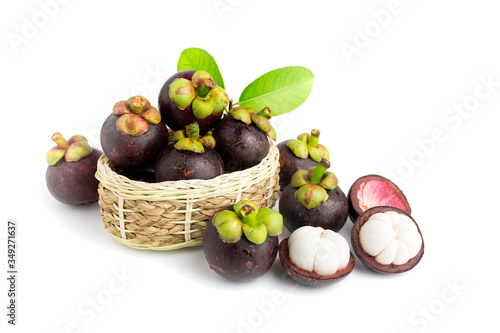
x,y
317,250
391,238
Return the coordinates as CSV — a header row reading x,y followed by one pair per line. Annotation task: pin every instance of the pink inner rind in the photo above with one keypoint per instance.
x,y
378,193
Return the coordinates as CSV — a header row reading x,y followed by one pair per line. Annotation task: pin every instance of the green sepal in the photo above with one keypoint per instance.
x,y
311,196
241,115
256,234
299,148
272,220
319,152
300,178
77,151
228,225
329,181
190,144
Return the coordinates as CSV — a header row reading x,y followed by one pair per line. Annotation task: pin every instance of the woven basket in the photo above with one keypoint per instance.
x,y
173,214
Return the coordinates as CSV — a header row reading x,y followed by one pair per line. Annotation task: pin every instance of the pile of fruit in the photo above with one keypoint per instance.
x,y
197,132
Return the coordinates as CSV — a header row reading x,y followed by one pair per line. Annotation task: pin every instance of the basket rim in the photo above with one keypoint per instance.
x,y
192,190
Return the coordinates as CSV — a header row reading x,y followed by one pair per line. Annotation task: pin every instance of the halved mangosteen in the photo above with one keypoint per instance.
x,y
373,191
316,257
387,240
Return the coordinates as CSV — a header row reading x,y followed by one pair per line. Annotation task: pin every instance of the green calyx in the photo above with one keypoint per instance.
x,y
260,119
73,150
201,93
307,145
313,184
189,139
135,115
256,224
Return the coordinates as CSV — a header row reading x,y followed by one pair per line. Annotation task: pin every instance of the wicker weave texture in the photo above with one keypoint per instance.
x,y
173,214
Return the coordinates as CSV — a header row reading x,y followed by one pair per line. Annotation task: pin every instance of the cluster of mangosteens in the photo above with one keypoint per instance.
x,y
209,137
241,242
135,138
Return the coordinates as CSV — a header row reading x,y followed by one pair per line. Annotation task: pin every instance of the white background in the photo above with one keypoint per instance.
x,y
377,108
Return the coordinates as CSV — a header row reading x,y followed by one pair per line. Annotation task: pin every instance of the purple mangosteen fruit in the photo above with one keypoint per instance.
x,y
300,154
241,241
192,96
133,135
70,176
242,137
315,257
387,240
189,157
314,198
372,191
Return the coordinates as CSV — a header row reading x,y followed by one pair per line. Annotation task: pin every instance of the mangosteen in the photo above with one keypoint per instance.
x,y
241,241
133,135
300,154
372,191
143,175
242,137
314,198
387,240
189,157
316,257
70,176
192,96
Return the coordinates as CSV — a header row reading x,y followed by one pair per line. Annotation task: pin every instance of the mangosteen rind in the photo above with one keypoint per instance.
x,y
354,207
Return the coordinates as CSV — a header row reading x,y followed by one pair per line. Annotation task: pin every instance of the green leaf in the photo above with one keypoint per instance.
x,y
198,59
282,90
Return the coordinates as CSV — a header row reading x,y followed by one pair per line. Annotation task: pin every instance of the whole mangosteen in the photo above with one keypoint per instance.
x,y
316,257
189,157
387,240
372,191
313,198
192,96
70,176
300,154
241,241
242,137
133,135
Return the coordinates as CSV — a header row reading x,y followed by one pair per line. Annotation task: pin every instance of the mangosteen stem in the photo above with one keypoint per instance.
x,y
318,172
193,131
60,141
313,139
249,215
206,87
